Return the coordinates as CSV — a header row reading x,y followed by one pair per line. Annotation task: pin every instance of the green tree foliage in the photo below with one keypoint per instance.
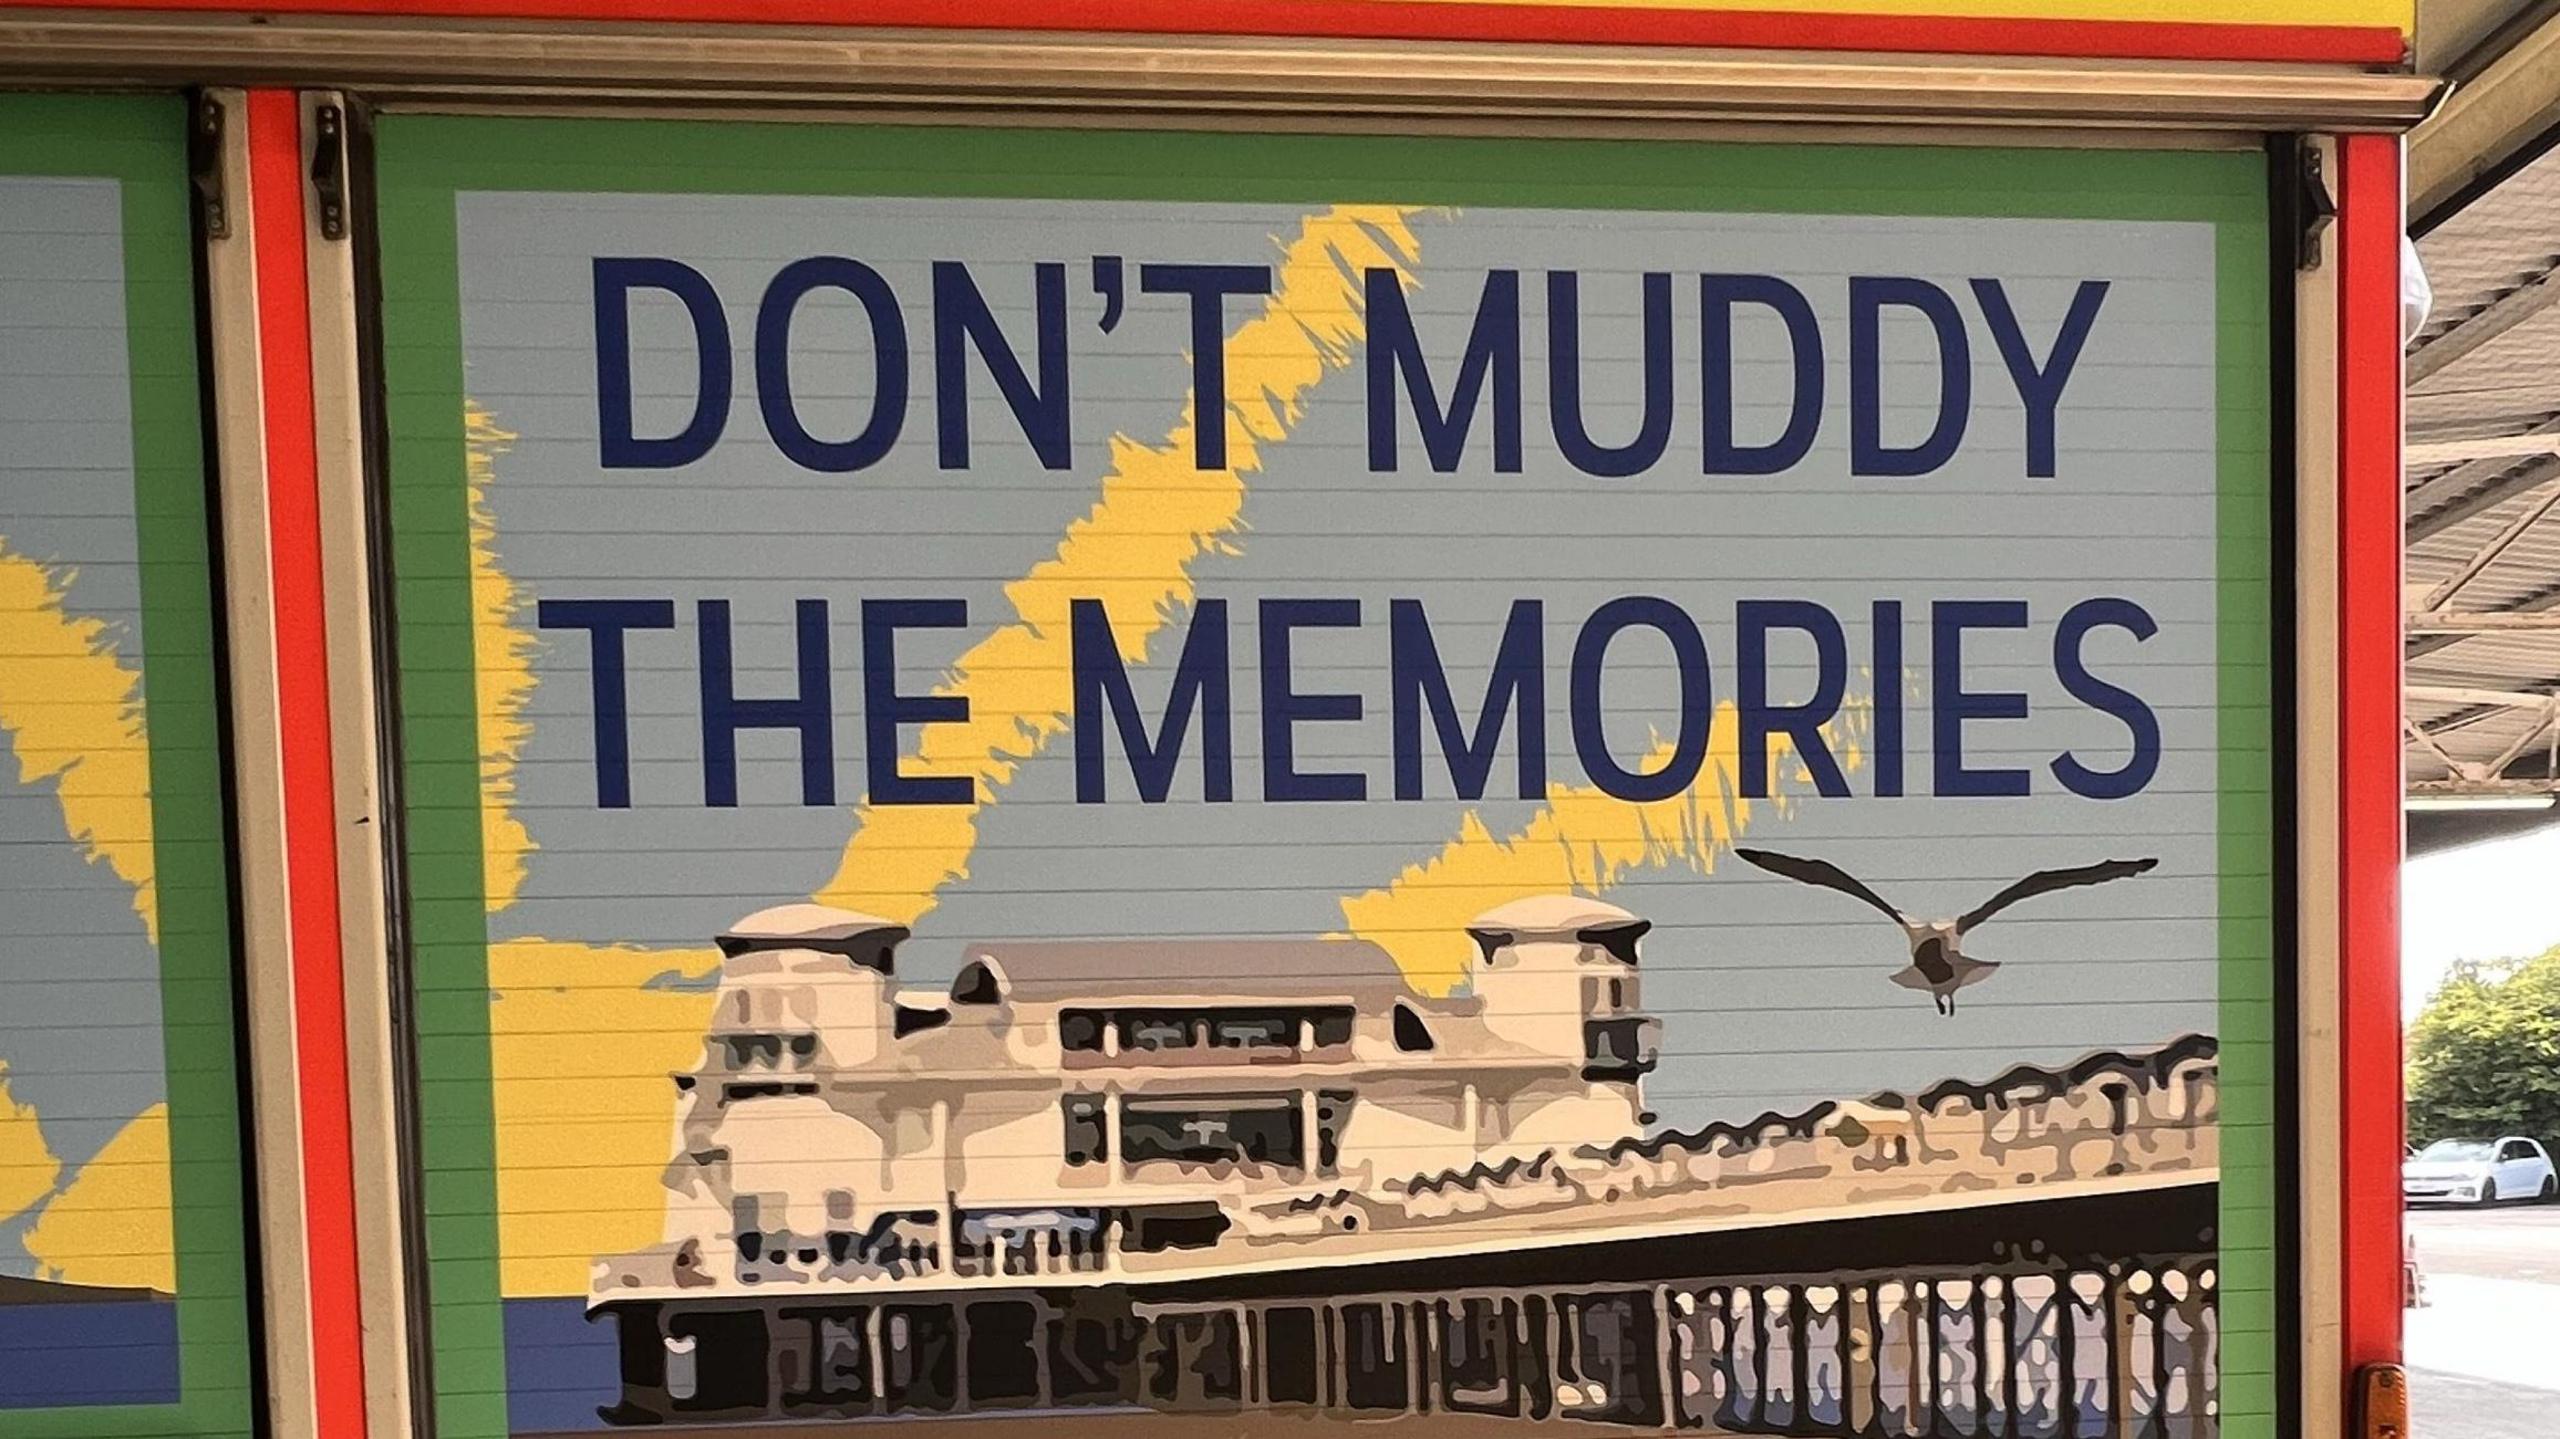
x,y
2484,1055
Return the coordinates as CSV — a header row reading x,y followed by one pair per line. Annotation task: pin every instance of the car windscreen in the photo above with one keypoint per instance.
x,y
2454,1150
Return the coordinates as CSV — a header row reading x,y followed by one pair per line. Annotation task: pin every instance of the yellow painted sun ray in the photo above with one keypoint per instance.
x,y
111,1225
581,1046
1132,551
502,656
1583,841
73,710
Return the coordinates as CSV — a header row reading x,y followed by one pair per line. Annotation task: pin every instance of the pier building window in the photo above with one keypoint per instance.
x,y
1253,1029
1233,1129
730,1360
768,1051
1621,1049
1412,1036
1476,1355
1292,1357
736,1090
1093,1358
1150,1031
1607,996
1001,1335
1160,1031
833,1371
1080,1031
1374,1358
1087,1132
1611,1352
1176,1226
1333,1114
1191,1360
920,1354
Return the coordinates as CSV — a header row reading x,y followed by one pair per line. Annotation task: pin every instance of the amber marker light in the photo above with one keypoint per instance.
x,y
2382,1402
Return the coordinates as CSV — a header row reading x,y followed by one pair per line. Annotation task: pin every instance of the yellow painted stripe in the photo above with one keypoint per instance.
x,y
73,711
1133,551
1584,841
502,652
111,1225
581,1045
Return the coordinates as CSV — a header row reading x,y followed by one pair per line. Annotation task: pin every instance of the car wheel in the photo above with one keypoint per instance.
x,y
2488,1193
2550,1189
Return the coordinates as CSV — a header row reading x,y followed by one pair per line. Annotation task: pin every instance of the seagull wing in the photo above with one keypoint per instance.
x,y
1820,872
2046,881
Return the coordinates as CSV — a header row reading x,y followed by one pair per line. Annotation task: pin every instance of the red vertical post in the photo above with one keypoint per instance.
x,y
310,804
2370,650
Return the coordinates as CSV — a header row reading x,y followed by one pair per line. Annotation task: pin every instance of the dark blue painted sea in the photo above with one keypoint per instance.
x,y
54,1355
560,1368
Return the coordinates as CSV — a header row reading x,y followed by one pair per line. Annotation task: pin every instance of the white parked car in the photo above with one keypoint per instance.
x,y
2479,1171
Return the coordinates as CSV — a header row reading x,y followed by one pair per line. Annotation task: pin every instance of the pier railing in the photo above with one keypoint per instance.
x,y
2127,1353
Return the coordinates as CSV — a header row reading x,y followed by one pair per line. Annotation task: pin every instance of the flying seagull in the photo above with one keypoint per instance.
x,y
1937,964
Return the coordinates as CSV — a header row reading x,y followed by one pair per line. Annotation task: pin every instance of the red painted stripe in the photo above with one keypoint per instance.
x,y
1425,20
2369,661
310,805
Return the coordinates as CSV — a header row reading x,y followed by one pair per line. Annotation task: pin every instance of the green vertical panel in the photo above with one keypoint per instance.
x,y
139,144
2250,1152
430,531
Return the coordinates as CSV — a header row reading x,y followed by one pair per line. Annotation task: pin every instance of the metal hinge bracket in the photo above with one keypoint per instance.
x,y
204,166
329,170
2314,210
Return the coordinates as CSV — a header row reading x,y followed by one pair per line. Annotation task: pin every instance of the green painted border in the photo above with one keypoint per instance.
x,y
426,160
140,141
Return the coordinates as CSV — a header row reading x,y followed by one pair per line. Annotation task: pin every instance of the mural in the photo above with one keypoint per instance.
x,y
121,1292
952,886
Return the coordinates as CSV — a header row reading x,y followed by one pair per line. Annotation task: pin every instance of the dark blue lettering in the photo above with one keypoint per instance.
x,y
1697,697
606,621
1519,687
1717,295
888,355
1208,286
1951,704
1888,697
1868,453
811,711
1564,379
2040,386
961,322
885,708
615,279
1199,679
1800,723
1284,708
2097,694
1493,349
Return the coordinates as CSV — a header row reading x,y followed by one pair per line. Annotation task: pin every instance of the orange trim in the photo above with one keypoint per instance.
x,y
1424,20
2369,780
310,807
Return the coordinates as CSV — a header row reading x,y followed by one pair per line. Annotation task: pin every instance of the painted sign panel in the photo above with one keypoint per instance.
x,y
1158,774
122,1300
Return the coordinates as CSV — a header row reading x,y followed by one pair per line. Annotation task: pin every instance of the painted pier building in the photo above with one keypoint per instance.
x,y
1256,1176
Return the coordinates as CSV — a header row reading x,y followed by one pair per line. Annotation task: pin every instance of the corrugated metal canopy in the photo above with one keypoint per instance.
x,y
2483,465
